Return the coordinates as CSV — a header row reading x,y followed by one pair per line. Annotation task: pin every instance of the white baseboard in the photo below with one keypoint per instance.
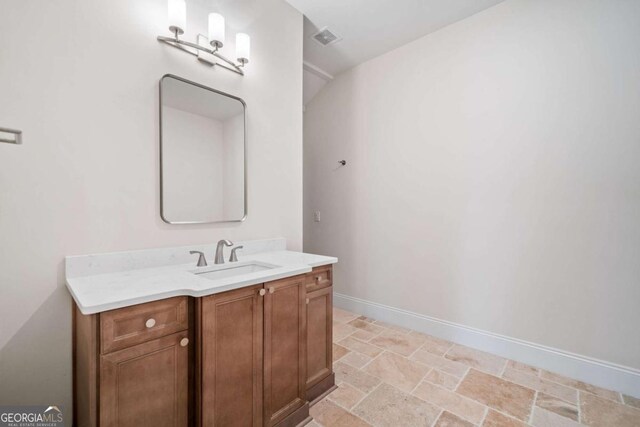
x,y
598,372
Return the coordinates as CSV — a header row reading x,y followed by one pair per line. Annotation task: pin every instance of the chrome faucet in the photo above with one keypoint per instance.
x,y
220,250
202,262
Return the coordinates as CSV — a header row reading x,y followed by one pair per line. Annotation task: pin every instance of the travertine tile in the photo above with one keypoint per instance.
x,y
539,384
449,366
331,415
387,406
523,367
543,418
496,419
343,316
357,360
397,371
397,342
393,327
354,377
596,411
476,359
363,335
442,379
341,330
447,419
367,326
598,391
360,346
435,345
338,352
558,406
497,393
455,403
631,401
312,424
346,395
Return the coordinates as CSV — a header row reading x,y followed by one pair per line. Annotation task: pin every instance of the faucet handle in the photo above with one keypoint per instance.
x,y
234,257
202,262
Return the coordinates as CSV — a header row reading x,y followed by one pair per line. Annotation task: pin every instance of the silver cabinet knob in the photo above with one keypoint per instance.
x,y
262,292
318,278
307,300
272,290
150,323
184,342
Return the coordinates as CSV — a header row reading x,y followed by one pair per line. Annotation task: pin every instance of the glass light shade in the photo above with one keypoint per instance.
x,y
243,47
177,16
216,29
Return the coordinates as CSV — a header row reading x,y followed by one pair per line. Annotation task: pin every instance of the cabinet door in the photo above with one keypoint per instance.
x,y
146,385
284,348
319,335
231,358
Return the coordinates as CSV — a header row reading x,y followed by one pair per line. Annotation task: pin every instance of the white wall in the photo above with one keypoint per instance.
x,y
80,78
493,175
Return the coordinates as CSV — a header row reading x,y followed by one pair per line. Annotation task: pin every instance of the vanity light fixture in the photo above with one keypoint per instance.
x,y
206,49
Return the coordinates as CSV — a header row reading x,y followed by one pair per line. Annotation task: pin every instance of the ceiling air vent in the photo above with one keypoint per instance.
x,y
326,37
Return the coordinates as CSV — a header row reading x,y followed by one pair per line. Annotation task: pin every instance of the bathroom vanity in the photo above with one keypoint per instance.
x,y
171,346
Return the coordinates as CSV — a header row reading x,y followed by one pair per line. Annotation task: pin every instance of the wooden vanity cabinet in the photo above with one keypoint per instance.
x,y
251,357
319,301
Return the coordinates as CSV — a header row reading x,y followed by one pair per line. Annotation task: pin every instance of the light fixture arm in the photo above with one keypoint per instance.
x,y
186,46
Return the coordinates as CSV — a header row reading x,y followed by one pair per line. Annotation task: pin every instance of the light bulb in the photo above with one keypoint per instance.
x,y
216,30
243,47
177,16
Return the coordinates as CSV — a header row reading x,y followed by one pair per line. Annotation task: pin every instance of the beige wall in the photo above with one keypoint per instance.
x,y
493,175
80,78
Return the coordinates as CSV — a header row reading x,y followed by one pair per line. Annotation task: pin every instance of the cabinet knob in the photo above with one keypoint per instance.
x,y
318,278
272,290
150,323
307,300
184,342
262,292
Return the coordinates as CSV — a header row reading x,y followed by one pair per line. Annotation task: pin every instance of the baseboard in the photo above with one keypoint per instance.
x,y
594,371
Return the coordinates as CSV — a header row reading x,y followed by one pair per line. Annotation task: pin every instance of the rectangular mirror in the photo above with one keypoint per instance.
x,y
202,154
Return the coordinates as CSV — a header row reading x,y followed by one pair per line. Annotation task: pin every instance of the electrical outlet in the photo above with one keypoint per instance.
x,y
316,216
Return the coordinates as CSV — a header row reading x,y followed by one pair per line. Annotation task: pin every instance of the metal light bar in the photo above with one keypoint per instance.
x,y
189,48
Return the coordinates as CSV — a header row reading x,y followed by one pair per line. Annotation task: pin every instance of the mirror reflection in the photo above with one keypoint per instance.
x,y
202,146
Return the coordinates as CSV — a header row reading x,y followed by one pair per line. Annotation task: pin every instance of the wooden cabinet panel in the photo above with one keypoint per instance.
x,y
124,327
319,335
284,348
320,277
146,385
231,358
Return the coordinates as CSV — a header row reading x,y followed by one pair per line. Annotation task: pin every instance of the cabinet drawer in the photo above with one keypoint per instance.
x,y
320,277
133,325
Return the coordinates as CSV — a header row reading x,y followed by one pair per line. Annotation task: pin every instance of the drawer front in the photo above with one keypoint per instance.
x,y
320,277
133,325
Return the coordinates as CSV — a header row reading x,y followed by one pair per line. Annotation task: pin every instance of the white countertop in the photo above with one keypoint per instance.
x,y
95,293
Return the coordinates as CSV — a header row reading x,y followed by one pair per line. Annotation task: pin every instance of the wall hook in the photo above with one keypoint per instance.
x,y
342,162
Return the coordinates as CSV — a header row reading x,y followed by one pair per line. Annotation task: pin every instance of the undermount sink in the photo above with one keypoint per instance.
x,y
233,270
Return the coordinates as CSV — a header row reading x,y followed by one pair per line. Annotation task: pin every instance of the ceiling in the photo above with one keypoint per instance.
x,y
372,27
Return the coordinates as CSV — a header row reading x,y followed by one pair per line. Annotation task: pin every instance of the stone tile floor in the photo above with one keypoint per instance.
x,y
391,376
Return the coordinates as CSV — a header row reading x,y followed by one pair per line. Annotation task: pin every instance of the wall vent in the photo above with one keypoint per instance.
x,y
326,37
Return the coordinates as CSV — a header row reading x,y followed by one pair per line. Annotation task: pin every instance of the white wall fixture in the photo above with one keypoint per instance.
x,y
10,136
206,49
